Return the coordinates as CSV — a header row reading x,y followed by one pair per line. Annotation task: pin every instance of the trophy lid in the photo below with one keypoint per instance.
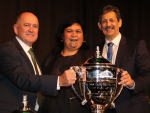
x,y
97,60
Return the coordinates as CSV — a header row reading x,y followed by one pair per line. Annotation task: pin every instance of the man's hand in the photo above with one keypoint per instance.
x,y
126,79
67,78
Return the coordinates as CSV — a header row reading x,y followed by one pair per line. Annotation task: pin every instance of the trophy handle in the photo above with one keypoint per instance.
x,y
119,70
82,77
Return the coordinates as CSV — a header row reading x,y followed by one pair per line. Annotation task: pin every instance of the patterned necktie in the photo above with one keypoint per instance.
x,y
39,94
109,53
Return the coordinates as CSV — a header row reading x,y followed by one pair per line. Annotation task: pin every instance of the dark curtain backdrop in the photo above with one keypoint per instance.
x,y
135,15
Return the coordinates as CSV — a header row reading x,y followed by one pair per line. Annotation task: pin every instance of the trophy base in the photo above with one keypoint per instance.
x,y
97,108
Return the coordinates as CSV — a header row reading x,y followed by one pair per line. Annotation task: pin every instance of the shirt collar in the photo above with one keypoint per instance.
x,y
115,40
23,45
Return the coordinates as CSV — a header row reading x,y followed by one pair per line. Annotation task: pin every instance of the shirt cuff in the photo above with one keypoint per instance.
x,y
132,88
58,87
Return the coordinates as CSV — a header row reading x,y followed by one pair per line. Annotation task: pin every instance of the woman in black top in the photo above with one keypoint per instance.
x,y
70,51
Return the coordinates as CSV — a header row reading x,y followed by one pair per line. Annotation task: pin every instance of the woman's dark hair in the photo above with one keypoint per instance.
x,y
70,20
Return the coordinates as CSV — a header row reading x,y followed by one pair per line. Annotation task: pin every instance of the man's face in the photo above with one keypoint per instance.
x,y
110,25
27,28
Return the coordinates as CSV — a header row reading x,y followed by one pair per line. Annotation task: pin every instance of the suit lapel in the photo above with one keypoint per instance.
x,y
120,52
23,54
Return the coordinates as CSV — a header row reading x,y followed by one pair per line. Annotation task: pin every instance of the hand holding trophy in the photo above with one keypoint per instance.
x,y
98,83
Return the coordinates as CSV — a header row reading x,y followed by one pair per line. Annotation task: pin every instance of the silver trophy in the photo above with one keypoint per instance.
x,y
98,83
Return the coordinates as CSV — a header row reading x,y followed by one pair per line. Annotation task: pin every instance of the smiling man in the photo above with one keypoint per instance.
x,y
26,28
129,54
110,25
20,73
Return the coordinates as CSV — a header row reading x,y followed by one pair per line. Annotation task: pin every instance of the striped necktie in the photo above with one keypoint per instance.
x,y
39,94
109,53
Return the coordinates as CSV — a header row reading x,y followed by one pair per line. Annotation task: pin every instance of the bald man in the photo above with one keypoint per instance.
x,y
19,74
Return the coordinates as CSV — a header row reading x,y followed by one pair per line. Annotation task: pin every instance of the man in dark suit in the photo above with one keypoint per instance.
x,y
129,54
20,74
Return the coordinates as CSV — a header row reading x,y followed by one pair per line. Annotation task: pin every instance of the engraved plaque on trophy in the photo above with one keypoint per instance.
x,y
98,83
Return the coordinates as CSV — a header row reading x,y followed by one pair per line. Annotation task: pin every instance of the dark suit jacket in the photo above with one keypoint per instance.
x,y
134,57
17,78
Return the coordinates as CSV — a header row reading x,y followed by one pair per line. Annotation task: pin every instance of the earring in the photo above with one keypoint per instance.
x,y
83,40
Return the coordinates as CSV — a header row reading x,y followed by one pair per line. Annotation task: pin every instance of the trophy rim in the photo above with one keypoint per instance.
x,y
100,65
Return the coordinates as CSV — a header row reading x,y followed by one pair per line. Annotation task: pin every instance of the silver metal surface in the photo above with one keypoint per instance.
x,y
98,83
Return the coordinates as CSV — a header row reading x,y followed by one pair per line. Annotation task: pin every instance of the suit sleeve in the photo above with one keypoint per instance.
x,y
15,68
142,63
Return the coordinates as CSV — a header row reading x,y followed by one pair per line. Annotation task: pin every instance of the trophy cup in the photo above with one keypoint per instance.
x,y
98,83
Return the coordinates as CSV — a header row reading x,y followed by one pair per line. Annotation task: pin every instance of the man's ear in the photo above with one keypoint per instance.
x,y
120,22
99,25
15,28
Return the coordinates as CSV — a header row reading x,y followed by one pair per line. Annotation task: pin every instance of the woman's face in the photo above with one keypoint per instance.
x,y
73,37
